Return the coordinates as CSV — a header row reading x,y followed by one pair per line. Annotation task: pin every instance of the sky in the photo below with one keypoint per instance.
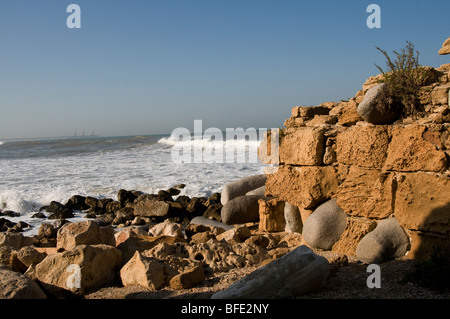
x,y
138,67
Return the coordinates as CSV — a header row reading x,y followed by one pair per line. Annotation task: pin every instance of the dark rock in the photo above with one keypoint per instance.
x,y
123,215
77,202
39,215
9,213
92,202
126,197
197,206
58,210
173,191
164,196
183,200
213,211
111,207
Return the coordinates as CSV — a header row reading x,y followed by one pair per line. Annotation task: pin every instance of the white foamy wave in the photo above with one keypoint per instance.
x,y
211,144
1,143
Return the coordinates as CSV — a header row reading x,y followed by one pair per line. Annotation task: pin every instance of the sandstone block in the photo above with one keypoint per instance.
x,y
84,268
409,151
304,146
387,241
305,186
439,95
271,215
367,193
84,233
325,225
355,230
148,272
292,275
364,146
188,278
422,202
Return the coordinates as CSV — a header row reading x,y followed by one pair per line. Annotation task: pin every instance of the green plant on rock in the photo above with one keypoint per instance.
x,y
403,77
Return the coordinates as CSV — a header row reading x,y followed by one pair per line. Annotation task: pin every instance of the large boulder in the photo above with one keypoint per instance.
x,y
149,206
84,268
84,233
292,275
166,228
241,187
148,272
200,220
17,286
387,241
325,225
368,109
242,209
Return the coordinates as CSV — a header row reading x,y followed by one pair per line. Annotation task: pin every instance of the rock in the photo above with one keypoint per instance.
x,y
188,278
58,211
309,112
241,187
325,225
422,202
15,241
82,269
17,286
367,193
387,241
125,197
84,233
148,272
137,242
356,229
367,109
409,151
292,275
304,146
364,146
77,202
213,211
148,206
271,215
235,235
304,186
445,47
166,228
30,256
260,191
292,218
240,210
200,220
440,94
39,215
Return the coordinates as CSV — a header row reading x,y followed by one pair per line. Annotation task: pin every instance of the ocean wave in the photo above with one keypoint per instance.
x,y
1,143
208,143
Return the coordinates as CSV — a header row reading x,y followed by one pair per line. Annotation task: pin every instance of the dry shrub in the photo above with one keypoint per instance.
x,y
403,78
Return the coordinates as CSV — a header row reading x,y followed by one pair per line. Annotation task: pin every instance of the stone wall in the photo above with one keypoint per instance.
x,y
374,172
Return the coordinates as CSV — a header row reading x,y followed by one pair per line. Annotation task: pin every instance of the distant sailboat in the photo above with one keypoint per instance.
x,y
82,132
74,134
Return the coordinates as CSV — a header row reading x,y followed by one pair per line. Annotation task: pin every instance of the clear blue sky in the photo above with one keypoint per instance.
x,y
145,67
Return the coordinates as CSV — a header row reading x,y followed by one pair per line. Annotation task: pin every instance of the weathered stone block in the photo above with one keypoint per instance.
x,y
271,215
409,151
304,146
422,202
367,193
306,187
364,146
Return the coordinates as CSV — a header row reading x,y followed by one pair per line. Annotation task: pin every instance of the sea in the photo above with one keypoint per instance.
x,y
34,172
